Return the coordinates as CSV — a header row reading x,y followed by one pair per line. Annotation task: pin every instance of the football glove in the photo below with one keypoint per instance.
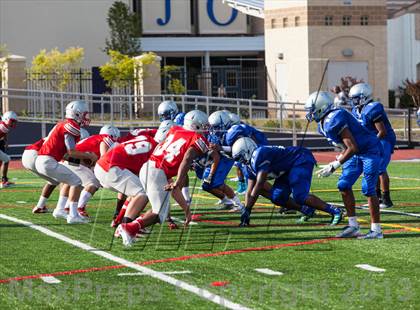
x,y
329,169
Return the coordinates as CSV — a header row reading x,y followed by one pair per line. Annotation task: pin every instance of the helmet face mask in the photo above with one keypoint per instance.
x,y
110,130
318,105
242,150
167,110
219,122
360,94
10,118
78,111
197,121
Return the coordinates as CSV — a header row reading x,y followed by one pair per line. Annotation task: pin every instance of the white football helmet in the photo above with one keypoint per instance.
x,y
78,110
318,105
163,129
242,150
360,94
84,134
234,119
110,130
10,118
167,110
219,122
196,120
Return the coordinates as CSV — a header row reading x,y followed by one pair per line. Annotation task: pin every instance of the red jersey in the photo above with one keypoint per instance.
x,y
136,132
36,146
4,130
92,144
169,154
54,145
129,155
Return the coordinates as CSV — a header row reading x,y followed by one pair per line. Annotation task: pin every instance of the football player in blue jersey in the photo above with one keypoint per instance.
x,y
372,116
214,183
290,167
361,151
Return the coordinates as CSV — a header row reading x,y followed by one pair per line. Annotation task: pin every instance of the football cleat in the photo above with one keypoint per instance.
x,y
245,218
6,184
336,218
372,235
60,213
128,232
82,212
241,189
307,215
37,210
76,220
237,209
349,232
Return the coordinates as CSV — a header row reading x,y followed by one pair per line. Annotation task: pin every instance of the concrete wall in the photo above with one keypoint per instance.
x,y
27,26
403,49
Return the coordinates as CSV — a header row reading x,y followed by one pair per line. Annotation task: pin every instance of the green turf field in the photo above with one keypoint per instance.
x,y
317,270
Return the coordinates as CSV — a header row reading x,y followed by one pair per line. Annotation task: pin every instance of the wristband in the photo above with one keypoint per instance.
x,y
335,164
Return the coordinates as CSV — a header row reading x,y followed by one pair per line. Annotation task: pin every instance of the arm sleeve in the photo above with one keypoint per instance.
x,y
201,145
69,141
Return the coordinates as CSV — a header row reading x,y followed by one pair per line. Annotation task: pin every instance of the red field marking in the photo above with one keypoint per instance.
x,y
325,157
184,258
220,283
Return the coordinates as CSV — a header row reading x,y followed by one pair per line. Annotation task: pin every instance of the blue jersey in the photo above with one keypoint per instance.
x,y
243,130
372,113
179,118
337,120
277,161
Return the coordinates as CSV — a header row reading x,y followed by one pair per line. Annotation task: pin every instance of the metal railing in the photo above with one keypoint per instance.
x,y
282,121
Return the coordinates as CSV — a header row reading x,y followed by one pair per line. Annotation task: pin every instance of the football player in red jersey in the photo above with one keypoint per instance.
x,y
118,169
172,157
28,161
9,120
61,141
99,145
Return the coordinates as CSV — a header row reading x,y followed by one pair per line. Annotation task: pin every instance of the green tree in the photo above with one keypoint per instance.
x,y
174,85
119,70
56,67
124,30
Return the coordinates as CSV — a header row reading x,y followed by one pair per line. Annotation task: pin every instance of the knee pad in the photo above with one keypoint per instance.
x,y
368,188
206,186
279,196
343,185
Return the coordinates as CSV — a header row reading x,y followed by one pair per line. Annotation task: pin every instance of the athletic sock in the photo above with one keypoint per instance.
x,y
126,220
376,227
62,201
73,209
331,209
386,196
141,222
236,201
41,202
186,193
353,221
84,199
378,193
120,216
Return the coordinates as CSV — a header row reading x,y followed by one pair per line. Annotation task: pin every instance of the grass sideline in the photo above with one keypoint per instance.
x,y
317,271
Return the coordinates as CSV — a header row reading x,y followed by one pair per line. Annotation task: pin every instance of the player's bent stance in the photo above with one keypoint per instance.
x,y
61,141
173,157
361,153
290,167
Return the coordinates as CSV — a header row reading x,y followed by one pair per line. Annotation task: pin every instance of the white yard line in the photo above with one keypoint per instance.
x,y
203,293
50,280
269,272
143,274
369,268
393,212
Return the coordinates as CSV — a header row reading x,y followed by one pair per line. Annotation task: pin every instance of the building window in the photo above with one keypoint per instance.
x,y
285,22
346,20
328,20
297,21
273,23
364,20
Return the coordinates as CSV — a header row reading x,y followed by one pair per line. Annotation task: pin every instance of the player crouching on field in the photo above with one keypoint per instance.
x,y
9,120
61,141
173,157
119,168
290,167
361,153
99,145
